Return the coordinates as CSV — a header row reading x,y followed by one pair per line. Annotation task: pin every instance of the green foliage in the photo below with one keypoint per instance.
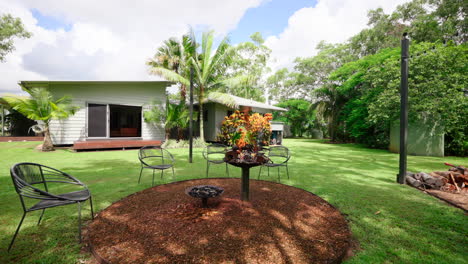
x,y
169,115
209,65
173,144
42,106
437,79
372,84
299,116
249,59
309,73
10,28
424,20
355,85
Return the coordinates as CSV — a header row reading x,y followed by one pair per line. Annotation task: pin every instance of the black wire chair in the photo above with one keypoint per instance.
x,y
278,157
215,154
155,158
33,181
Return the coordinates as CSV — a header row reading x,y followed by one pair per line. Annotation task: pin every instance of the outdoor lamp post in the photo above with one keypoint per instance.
x,y
403,108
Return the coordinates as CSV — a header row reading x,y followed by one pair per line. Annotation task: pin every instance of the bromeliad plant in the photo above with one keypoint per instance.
x,y
242,130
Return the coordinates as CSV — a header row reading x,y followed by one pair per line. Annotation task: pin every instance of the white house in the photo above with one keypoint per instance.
x,y
110,114
215,111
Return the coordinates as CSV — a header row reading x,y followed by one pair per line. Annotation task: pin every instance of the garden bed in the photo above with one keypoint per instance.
x,y
280,224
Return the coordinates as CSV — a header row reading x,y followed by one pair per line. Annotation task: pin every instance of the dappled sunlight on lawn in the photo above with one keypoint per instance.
x,y
392,222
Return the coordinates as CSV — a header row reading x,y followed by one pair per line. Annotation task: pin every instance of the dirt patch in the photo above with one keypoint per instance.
x,y
459,200
280,224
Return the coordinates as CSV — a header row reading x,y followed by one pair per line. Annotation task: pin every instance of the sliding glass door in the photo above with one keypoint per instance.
x,y
97,120
125,121
114,121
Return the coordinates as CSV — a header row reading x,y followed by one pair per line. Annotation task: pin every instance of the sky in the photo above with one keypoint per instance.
x,y
112,39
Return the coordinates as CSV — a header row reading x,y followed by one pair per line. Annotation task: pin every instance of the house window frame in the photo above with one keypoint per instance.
x,y
108,120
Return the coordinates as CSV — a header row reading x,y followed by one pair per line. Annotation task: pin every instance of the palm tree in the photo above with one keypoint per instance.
x,y
42,106
174,55
209,68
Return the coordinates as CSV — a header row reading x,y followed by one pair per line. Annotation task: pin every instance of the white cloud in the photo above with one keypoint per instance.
x,y
109,39
330,20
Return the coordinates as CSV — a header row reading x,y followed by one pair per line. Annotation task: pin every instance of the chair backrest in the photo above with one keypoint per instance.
x,y
24,174
278,154
155,154
215,151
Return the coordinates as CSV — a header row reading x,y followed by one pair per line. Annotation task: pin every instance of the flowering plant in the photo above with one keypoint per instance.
x,y
242,131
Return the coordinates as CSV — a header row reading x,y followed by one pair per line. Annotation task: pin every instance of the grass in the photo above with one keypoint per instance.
x,y
412,227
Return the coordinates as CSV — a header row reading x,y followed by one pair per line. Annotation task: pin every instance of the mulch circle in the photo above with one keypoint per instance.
x,y
280,224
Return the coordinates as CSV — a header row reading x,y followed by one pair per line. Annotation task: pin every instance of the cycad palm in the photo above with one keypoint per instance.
x,y
42,106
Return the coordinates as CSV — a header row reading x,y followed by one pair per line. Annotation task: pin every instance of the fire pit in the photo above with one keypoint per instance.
x,y
204,192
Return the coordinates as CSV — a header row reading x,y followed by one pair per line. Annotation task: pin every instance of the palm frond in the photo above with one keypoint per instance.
x,y
223,98
169,75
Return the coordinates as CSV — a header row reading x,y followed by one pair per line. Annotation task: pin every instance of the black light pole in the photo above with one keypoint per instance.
x,y
403,108
191,117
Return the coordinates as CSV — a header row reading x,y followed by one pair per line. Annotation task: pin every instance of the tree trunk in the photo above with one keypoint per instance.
x,y
47,144
202,134
200,103
183,93
168,134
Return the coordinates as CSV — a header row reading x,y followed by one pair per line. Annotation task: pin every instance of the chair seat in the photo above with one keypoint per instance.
x,y
81,196
159,167
274,164
216,161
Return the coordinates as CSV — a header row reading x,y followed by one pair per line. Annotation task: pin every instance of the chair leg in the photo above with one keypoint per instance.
x,y
227,170
153,179
268,171
260,171
287,170
141,170
17,230
207,168
40,218
173,172
278,174
79,221
162,173
91,204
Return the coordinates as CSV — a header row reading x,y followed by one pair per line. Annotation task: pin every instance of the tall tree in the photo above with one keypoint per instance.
x,y
250,59
297,117
10,28
278,84
42,106
209,66
174,55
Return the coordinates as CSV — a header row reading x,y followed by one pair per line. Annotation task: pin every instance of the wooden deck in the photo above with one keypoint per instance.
x,y
12,139
114,144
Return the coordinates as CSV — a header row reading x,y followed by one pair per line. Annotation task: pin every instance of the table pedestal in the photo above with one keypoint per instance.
x,y
245,184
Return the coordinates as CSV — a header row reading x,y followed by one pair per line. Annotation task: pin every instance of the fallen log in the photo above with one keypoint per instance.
x,y
454,182
430,181
413,182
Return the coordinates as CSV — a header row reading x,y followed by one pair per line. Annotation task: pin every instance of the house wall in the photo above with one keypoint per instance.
x,y
216,114
121,93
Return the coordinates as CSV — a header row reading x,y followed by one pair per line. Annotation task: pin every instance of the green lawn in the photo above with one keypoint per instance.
x,y
411,227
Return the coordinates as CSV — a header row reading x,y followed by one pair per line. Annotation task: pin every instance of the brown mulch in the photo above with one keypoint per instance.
x,y
280,224
459,200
